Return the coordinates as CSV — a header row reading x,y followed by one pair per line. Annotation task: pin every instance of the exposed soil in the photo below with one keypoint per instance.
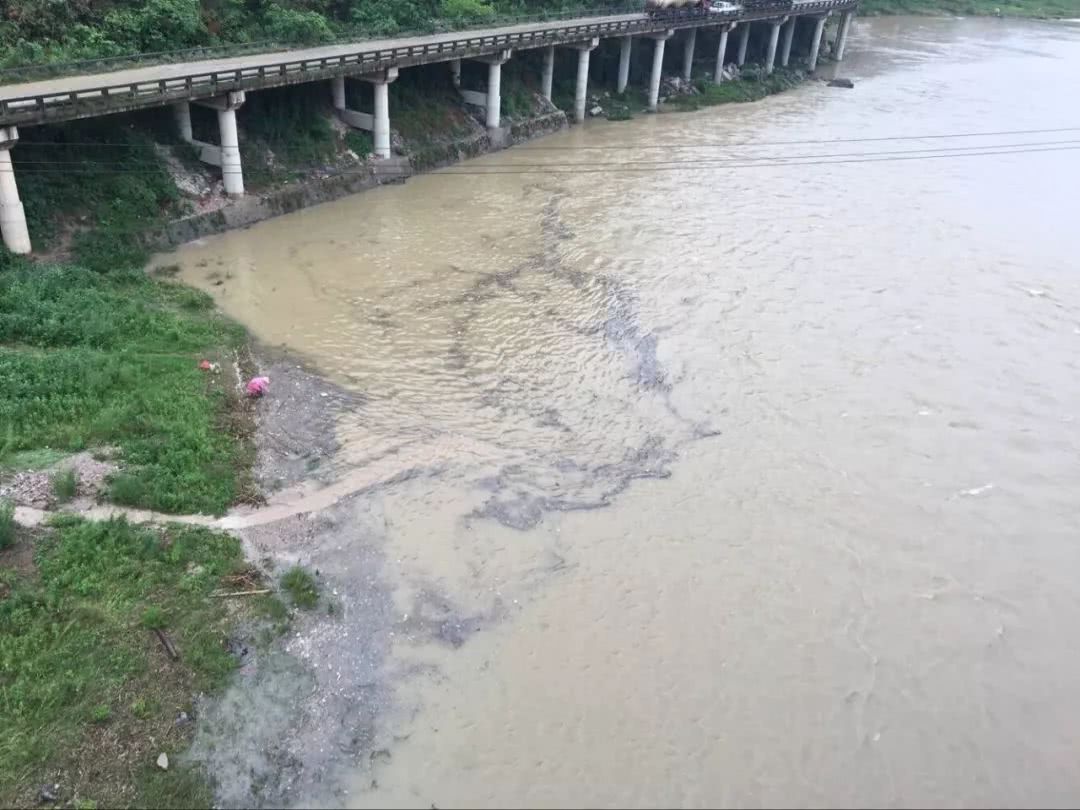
x,y
34,488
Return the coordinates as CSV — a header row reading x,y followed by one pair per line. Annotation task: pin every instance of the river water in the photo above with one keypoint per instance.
x,y
742,484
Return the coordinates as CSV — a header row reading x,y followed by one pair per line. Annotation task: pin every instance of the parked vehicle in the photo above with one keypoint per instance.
x,y
659,6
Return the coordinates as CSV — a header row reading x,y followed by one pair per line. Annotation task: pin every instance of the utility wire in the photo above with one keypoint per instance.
x,y
628,168
635,147
98,166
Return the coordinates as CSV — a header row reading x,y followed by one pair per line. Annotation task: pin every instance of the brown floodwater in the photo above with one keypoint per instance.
x,y
744,483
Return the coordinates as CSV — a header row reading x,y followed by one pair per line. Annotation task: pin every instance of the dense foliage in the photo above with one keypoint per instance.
x,y
39,31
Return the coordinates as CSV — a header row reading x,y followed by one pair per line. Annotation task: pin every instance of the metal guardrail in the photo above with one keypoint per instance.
x,y
64,106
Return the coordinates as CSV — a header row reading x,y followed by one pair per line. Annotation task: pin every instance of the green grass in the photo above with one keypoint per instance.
x,y
362,143
87,359
74,193
64,485
1008,8
740,90
301,587
7,524
76,655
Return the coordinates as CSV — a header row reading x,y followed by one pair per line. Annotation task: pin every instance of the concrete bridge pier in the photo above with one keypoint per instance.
x,y
12,216
657,67
494,88
815,42
581,90
688,54
841,35
744,42
548,76
774,39
624,64
337,92
182,114
232,172
455,72
381,125
721,50
785,42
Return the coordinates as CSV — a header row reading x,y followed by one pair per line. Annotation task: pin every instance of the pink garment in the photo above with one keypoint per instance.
x,y
257,386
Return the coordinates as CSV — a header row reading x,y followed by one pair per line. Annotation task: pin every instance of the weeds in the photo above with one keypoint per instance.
x,y
65,483
75,654
112,208
360,142
301,587
88,360
7,524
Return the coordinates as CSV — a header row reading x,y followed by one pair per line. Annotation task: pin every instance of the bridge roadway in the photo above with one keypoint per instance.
x,y
221,83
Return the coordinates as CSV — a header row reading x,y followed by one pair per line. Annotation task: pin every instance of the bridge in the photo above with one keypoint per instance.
x,y
221,83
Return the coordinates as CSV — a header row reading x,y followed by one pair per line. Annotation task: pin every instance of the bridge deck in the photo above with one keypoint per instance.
x,y
87,95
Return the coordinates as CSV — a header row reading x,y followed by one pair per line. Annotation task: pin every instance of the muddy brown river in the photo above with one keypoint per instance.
x,y
705,477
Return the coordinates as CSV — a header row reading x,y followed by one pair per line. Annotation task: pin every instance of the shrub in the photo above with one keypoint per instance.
x,y
64,485
157,25
466,11
301,587
293,25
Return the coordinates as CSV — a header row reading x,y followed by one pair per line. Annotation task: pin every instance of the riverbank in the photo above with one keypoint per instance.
x,y
1040,9
113,635
296,153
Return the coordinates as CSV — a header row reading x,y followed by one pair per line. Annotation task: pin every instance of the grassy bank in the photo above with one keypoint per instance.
x,y
91,187
740,90
1007,8
89,694
90,360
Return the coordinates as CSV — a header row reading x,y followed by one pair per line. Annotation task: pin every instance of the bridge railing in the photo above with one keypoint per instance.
x,y
60,106
80,67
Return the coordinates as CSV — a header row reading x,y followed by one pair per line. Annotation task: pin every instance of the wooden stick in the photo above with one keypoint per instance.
x,y
166,642
239,593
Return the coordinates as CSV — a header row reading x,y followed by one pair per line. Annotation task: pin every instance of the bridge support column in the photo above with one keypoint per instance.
x,y
744,42
548,76
494,88
688,54
770,54
337,91
785,43
12,216
182,113
381,128
581,91
721,50
624,64
657,68
455,72
815,42
231,171
841,35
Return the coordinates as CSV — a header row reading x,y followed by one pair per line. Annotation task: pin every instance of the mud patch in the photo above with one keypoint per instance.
x,y
308,708
297,424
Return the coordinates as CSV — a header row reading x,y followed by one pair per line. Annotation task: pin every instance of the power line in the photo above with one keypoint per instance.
x,y
719,145
511,169
538,147
104,166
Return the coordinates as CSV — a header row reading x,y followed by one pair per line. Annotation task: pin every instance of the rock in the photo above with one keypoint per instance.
x,y
163,761
597,110
182,720
49,794
846,83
